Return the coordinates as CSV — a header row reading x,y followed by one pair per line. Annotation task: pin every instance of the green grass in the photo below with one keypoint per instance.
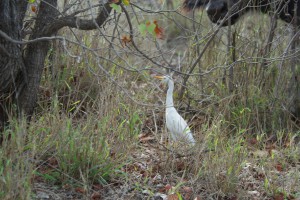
x,y
86,128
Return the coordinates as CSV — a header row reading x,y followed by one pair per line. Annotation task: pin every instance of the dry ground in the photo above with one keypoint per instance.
x,y
99,133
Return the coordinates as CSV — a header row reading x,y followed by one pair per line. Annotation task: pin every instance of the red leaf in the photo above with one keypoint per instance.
x,y
159,32
33,8
253,141
96,196
125,40
187,192
279,196
279,167
172,197
80,190
168,187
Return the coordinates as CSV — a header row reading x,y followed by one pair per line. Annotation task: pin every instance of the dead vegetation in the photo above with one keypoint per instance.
x,y
98,132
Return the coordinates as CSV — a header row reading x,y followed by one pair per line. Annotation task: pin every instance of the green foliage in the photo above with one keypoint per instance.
x,y
240,118
126,2
147,27
85,150
86,129
78,154
16,167
116,7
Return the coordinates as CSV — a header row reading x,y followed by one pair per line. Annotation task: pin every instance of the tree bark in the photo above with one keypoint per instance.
x,y
21,66
12,13
294,87
48,23
35,56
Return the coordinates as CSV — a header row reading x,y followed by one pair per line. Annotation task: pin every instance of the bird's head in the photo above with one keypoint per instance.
x,y
164,79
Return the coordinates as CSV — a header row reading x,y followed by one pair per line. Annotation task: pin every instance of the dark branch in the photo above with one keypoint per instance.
x,y
75,22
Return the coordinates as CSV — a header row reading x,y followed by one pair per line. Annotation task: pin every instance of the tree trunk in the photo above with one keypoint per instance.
x,y
35,56
21,70
11,63
294,87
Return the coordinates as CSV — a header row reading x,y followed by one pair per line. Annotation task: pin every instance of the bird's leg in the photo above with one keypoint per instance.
x,y
162,138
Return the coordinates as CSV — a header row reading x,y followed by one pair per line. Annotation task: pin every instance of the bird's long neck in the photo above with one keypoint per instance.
x,y
169,101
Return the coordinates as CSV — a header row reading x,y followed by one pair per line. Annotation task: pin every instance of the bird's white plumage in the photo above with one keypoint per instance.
x,y
178,127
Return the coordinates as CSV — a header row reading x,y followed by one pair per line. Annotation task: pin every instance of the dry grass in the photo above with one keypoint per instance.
x,y
97,129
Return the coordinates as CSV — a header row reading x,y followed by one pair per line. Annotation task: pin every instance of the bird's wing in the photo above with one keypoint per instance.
x,y
178,126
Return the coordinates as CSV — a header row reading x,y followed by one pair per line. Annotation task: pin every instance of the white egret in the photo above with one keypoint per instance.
x,y
178,127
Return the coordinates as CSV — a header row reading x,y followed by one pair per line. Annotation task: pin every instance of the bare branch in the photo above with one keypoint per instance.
x,y
75,22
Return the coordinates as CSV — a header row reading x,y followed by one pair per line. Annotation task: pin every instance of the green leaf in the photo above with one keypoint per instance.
x,y
151,28
31,1
179,196
126,2
116,7
143,29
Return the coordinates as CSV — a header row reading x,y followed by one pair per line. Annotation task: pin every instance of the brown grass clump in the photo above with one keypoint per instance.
x,y
98,131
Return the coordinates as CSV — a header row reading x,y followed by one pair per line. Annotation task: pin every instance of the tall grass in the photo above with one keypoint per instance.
x,y
92,108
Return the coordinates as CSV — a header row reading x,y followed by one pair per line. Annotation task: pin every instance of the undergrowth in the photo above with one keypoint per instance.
x,y
90,124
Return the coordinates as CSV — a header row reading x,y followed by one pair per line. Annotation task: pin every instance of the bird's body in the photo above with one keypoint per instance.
x,y
178,127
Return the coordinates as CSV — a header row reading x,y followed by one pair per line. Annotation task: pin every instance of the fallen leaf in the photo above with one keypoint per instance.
x,y
96,196
278,166
187,192
53,162
180,165
168,187
279,196
252,141
80,190
172,197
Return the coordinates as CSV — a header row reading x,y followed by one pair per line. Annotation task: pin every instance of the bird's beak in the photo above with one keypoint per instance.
x,y
159,77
